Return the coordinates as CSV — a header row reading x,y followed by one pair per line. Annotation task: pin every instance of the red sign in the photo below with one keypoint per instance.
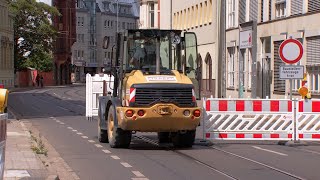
x,y
291,51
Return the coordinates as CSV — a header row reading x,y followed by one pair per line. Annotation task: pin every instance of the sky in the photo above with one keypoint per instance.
x,y
46,1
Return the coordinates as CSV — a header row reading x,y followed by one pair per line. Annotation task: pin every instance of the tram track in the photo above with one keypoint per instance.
x,y
213,168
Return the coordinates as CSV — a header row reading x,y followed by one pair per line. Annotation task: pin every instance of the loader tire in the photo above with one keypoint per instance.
x,y
102,135
164,137
183,140
118,138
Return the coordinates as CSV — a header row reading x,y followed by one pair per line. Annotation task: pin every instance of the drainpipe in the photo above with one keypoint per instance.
x,y
159,14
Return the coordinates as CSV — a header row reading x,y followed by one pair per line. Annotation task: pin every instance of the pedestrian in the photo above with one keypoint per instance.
x,y
41,81
38,80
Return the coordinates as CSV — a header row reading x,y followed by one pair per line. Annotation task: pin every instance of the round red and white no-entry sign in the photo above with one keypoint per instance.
x,y
291,51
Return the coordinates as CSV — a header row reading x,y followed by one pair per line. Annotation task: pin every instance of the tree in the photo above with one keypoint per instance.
x,y
33,31
40,60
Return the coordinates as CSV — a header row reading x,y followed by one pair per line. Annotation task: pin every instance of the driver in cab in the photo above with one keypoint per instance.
x,y
141,56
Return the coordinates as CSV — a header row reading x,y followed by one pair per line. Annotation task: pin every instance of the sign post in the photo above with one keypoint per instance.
x,y
290,52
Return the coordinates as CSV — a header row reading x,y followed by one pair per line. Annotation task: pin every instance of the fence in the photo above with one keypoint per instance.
x,y
262,119
3,137
98,85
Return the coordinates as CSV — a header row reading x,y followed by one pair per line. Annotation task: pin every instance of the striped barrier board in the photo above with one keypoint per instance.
x,y
262,119
308,120
248,119
3,137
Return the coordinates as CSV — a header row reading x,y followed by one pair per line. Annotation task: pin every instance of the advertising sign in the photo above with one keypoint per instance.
x,y
245,39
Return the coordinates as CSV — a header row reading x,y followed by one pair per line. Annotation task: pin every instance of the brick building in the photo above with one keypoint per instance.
x,y
66,26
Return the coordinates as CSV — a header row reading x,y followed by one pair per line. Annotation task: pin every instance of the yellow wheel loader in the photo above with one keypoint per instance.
x,y
155,88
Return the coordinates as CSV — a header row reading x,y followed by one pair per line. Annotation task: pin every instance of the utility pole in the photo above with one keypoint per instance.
x,y
221,49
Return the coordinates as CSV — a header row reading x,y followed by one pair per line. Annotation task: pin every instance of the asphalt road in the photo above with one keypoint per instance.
x,y
58,113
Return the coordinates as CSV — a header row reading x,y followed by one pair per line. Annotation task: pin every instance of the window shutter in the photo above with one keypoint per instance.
x,y
253,10
242,11
313,53
313,5
296,7
279,85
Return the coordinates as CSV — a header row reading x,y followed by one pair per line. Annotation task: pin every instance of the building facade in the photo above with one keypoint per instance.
x,y
198,16
95,29
66,26
149,14
255,69
6,46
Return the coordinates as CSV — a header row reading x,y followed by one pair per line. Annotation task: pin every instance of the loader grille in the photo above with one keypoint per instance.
x,y
178,94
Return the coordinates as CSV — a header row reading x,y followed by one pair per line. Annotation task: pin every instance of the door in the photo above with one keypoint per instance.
x,y
192,68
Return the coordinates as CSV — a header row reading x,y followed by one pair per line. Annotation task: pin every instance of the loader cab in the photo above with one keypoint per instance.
x,y
158,52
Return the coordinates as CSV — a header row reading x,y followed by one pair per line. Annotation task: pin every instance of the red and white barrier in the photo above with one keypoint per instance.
x,y
246,105
248,119
308,120
262,119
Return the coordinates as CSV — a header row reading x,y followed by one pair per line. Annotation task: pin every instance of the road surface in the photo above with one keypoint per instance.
x,y
59,114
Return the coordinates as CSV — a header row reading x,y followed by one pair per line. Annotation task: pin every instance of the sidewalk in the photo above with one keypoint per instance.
x,y
22,161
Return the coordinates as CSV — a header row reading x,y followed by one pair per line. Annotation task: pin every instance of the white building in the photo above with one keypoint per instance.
x,y
95,25
6,46
149,14
277,20
197,16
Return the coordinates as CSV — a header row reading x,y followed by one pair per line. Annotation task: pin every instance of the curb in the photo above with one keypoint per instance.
x,y
53,162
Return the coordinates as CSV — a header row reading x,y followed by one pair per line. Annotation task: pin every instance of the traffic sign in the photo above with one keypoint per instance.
x,y
291,51
291,72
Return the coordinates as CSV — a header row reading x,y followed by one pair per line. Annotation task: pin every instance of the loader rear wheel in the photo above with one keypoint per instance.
x,y
164,137
118,138
184,139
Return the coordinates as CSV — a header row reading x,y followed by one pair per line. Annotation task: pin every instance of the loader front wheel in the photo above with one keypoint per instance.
x,y
118,138
183,139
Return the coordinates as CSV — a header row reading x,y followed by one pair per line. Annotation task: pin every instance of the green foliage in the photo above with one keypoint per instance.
x,y
32,29
39,60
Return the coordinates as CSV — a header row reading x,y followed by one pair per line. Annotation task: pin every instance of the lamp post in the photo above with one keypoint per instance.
x,y
117,16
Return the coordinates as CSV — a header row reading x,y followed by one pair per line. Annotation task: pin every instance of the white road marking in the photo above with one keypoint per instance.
x,y
139,179
92,141
69,127
115,157
314,152
106,151
275,152
137,173
16,173
84,137
61,123
98,145
125,164
74,130
79,133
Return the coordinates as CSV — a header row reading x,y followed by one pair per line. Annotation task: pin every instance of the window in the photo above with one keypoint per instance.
x,y
151,14
280,9
123,25
313,77
231,68
231,13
